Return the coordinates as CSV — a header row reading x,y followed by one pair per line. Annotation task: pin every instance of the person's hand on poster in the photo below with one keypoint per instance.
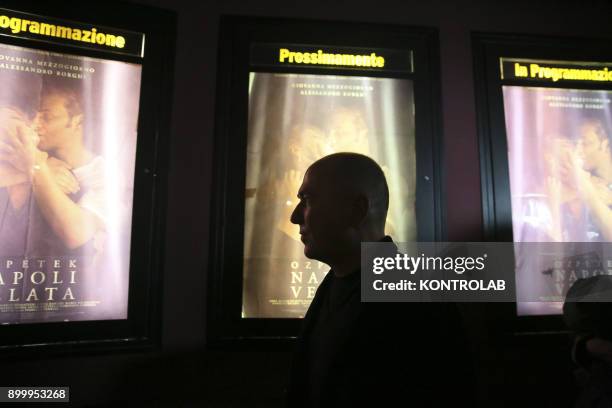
x,y
18,148
584,181
592,190
19,155
563,163
572,169
10,121
63,176
589,187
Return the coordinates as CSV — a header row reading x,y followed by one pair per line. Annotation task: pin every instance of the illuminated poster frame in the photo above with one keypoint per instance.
x,y
275,46
527,62
114,35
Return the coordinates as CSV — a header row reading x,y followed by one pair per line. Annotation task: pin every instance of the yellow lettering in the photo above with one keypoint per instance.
x,y
47,29
284,53
348,59
64,32
520,70
34,27
111,40
15,25
321,58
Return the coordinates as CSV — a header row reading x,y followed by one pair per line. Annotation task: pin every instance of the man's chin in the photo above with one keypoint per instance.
x,y
309,253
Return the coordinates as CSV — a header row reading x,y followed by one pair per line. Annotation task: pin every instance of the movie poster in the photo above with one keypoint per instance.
x,y
295,119
561,185
67,155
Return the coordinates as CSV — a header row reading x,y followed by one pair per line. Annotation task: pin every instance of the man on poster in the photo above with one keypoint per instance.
x,y
52,204
589,169
62,176
356,354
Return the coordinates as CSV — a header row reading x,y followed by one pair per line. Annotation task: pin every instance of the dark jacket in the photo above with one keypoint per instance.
x,y
387,354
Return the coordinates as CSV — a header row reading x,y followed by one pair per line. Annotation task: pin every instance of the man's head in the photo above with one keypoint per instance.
x,y
594,145
343,201
60,118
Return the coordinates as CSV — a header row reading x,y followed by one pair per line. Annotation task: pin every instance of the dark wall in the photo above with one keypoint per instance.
x,y
181,371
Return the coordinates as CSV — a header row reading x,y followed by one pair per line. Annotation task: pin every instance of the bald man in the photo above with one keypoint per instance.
x,y
343,201
351,353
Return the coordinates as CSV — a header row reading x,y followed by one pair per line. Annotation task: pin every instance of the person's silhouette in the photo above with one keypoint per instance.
x,y
351,353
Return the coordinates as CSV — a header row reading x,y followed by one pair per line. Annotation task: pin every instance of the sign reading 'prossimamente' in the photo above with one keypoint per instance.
x,y
332,57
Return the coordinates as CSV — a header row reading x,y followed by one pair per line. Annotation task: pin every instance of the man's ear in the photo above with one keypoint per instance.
x,y
360,207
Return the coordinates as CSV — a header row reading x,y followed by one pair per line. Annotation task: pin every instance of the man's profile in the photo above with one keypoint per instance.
x,y
343,201
352,353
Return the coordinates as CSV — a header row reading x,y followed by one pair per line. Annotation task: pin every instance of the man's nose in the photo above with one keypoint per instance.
x,y
296,215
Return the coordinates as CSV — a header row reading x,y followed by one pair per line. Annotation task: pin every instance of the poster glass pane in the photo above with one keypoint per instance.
x,y
295,119
68,129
